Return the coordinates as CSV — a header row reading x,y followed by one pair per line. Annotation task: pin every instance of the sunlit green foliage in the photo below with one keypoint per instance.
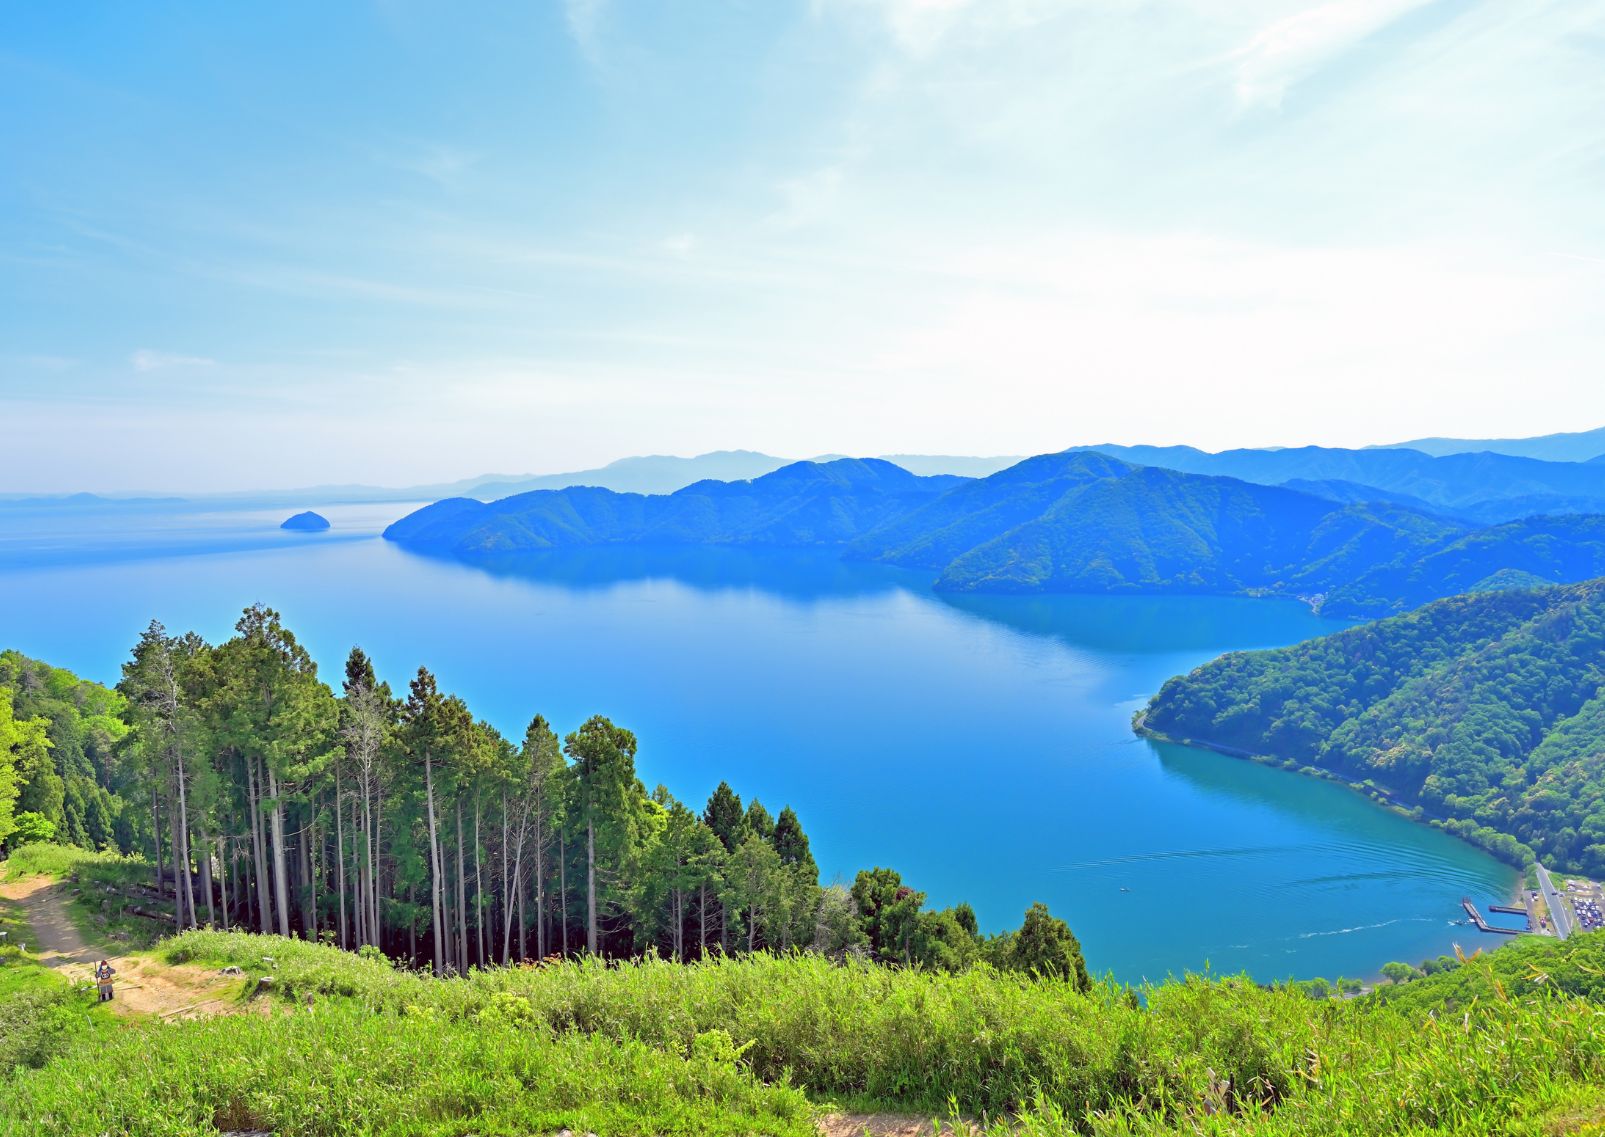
x,y
58,740
654,1046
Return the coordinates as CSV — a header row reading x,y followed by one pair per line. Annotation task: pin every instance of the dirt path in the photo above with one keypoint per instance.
x,y
143,985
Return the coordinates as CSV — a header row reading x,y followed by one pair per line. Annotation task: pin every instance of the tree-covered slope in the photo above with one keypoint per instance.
x,y
58,738
805,503
1078,521
1548,550
1485,710
1156,530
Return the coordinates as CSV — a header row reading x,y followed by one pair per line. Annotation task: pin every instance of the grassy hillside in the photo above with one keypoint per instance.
x,y
346,1044
1486,710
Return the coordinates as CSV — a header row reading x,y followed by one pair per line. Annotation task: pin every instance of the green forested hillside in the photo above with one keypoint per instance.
x,y
1079,521
58,768
1534,550
805,503
1485,710
1146,529
1084,522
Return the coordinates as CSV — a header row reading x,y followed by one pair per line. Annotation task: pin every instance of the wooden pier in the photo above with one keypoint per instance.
x,y
1484,925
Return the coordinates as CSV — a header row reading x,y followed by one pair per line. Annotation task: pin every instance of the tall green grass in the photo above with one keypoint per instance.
x,y
46,859
340,1071
40,1015
106,887
1195,1053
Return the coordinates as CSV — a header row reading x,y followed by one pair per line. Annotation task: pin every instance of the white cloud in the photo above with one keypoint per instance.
x,y
919,25
147,360
1293,48
585,19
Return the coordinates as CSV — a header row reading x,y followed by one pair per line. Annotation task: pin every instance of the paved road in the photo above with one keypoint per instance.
x,y
1558,915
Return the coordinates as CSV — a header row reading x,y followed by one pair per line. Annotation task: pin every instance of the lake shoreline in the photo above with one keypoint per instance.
x,y
1433,821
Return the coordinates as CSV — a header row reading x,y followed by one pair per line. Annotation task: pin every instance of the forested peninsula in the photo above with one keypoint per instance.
x,y
1484,712
1074,522
267,801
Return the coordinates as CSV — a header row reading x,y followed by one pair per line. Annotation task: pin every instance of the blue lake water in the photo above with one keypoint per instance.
x,y
981,746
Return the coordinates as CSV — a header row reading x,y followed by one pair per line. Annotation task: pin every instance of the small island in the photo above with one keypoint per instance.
x,y
307,522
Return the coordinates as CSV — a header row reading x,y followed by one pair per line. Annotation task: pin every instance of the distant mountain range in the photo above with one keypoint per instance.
x,y
1518,478
1577,446
644,474
1484,486
1079,521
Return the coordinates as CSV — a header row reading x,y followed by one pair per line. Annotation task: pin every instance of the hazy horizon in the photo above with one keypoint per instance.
x,y
494,475
409,243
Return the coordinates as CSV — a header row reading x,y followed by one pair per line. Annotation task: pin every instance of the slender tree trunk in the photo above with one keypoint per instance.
x,y
412,930
374,884
523,926
264,900
340,858
281,884
206,878
353,871
312,866
543,940
590,886
434,863
462,896
479,886
562,887
702,923
222,878
370,883
156,833
515,890
180,827
507,888
679,925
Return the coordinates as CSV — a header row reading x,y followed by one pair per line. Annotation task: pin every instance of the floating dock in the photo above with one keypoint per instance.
x,y
1484,925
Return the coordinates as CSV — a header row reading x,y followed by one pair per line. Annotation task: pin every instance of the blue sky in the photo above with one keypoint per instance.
x,y
249,245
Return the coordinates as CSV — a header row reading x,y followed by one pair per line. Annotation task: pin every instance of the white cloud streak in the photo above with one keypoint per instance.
x,y
1293,48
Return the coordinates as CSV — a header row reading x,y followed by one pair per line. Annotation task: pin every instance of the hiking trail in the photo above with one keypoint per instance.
x,y
143,985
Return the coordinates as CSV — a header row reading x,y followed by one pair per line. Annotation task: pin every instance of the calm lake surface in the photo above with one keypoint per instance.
x,y
981,746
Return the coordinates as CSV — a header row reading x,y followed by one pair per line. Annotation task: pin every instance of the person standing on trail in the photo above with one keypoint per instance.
x,y
103,973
